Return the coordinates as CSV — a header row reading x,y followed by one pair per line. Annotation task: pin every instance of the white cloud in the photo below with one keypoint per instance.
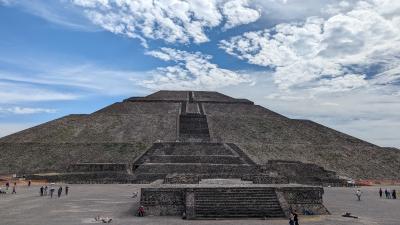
x,y
26,110
331,54
58,12
193,71
367,113
12,93
59,82
173,21
237,12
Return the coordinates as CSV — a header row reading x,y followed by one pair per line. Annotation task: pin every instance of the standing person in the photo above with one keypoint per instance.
x,y
394,195
51,192
7,185
59,192
291,219
141,211
29,183
295,218
386,193
380,192
41,190
66,190
358,194
14,191
45,190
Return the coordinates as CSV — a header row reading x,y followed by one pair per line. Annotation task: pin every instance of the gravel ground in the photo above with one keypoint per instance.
x,y
84,202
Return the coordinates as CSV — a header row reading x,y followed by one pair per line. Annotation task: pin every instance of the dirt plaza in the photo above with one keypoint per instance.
x,y
116,201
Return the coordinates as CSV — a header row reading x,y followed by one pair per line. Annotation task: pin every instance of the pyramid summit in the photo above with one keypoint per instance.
x,y
150,135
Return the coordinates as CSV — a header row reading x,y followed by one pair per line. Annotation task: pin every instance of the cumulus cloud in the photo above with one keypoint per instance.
x,y
26,110
326,54
237,12
367,113
174,21
192,71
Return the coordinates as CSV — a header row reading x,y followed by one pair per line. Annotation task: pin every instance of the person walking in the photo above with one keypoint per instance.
x,y
41,190
59,192
29,183
394,195
66,190
45,190
380,192
386,193
7,185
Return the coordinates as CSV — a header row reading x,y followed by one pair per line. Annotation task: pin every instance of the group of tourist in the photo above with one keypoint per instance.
x,y
45,190
388,194
14,188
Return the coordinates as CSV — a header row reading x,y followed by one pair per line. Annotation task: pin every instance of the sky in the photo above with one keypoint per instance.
x,y
334,62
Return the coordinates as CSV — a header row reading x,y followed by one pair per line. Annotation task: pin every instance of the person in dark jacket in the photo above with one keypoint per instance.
x,y
59,191
295,218
380,192
394,195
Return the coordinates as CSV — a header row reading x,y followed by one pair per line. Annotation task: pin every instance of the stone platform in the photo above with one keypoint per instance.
x,y
213,200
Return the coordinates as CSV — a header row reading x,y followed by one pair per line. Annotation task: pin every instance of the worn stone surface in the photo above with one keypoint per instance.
x,y
227,201
115,200
123,131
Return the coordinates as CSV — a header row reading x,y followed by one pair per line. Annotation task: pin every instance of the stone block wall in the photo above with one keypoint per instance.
x,y
301,199
164,201
91,167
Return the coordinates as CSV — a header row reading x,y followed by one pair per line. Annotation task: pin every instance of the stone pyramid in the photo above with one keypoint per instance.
x,y
153,134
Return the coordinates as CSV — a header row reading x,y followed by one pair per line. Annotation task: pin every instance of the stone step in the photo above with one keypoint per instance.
x,y
189,168
271,210
236,194
193,125
237,202
234,199
194,159
240,215
147,177
185,148
238,206
233,191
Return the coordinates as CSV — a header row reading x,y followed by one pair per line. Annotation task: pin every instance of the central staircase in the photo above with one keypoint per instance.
x,y
201,159
237,203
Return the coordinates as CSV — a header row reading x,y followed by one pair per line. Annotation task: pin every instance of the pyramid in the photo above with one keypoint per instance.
x,y
184,131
